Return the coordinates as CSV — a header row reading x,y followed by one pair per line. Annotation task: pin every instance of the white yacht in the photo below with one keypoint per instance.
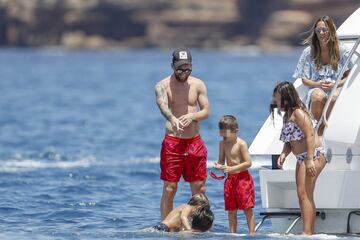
x,y
337,193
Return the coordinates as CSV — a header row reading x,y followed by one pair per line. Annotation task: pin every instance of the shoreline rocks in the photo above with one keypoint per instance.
x,y
269,24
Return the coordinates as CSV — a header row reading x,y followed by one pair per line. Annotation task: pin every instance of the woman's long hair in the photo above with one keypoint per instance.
x,y
332,44
290,100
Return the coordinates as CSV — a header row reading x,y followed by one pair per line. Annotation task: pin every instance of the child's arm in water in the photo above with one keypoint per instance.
x,y
244,164
185,214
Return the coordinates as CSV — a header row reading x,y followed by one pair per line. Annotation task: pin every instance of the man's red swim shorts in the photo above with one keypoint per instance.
x,y
183,156
239,191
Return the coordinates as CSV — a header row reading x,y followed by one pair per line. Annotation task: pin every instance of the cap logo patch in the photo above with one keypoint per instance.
x,y
183,55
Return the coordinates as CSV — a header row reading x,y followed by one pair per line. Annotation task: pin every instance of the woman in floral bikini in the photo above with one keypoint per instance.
x,y
300,138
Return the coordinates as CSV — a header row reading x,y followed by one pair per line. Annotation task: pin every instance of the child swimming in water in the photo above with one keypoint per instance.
x,y
198,208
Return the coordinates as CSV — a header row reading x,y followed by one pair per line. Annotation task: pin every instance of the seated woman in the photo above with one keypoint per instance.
x,y
320,65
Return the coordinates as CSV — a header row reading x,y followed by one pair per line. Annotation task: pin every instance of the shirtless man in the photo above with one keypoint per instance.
x,y
182,100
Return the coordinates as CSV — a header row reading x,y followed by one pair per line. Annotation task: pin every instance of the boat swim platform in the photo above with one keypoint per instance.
x,y
335,189
283,213
336,198
292,217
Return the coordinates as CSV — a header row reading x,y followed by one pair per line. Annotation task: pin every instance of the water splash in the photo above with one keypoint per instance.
x,y
29,164
44,160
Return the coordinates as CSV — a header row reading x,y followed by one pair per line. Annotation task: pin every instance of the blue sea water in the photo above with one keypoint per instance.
x,y
80,136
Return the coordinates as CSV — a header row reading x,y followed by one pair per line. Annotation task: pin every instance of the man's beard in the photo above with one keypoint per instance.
x,y
181,80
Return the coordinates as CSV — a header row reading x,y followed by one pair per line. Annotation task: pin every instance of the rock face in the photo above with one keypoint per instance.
x,y
163,23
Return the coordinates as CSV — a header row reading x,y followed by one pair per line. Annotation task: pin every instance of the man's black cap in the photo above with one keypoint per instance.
x,y
181,56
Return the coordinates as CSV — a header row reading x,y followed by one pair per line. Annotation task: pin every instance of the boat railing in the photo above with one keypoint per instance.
x,y
323,118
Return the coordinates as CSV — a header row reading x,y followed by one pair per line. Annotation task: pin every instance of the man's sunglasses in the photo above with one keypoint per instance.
x,y
180,71
319,29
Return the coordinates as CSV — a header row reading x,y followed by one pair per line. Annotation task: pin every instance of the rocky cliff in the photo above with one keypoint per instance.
x,y
163,23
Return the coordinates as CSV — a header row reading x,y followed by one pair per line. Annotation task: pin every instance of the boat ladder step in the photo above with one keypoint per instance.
x,y
281,214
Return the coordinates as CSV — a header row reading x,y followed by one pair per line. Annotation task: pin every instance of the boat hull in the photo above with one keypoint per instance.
x,y
336,196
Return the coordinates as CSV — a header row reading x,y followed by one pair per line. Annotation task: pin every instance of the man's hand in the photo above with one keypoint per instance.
x,y
187,119
177,125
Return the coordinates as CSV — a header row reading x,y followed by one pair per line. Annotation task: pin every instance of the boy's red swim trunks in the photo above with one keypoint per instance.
x,y
239,191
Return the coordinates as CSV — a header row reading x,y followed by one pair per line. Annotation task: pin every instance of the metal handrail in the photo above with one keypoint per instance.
x,y
339,77
348,37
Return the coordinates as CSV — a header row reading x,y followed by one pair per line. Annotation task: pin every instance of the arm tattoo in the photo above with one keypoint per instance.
x,y
162,101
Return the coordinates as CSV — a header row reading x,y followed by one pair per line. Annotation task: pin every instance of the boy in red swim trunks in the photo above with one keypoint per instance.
x,y
239,185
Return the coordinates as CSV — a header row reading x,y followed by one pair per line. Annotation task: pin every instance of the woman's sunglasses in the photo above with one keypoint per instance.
x,y
319,29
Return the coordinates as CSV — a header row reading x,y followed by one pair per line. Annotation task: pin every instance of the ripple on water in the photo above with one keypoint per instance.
x,y
81,190
9,210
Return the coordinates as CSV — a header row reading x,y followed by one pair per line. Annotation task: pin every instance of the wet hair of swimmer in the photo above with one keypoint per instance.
x,y
202,220
199,199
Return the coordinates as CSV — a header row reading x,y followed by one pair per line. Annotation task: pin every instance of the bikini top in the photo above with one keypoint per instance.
x,y
291,132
